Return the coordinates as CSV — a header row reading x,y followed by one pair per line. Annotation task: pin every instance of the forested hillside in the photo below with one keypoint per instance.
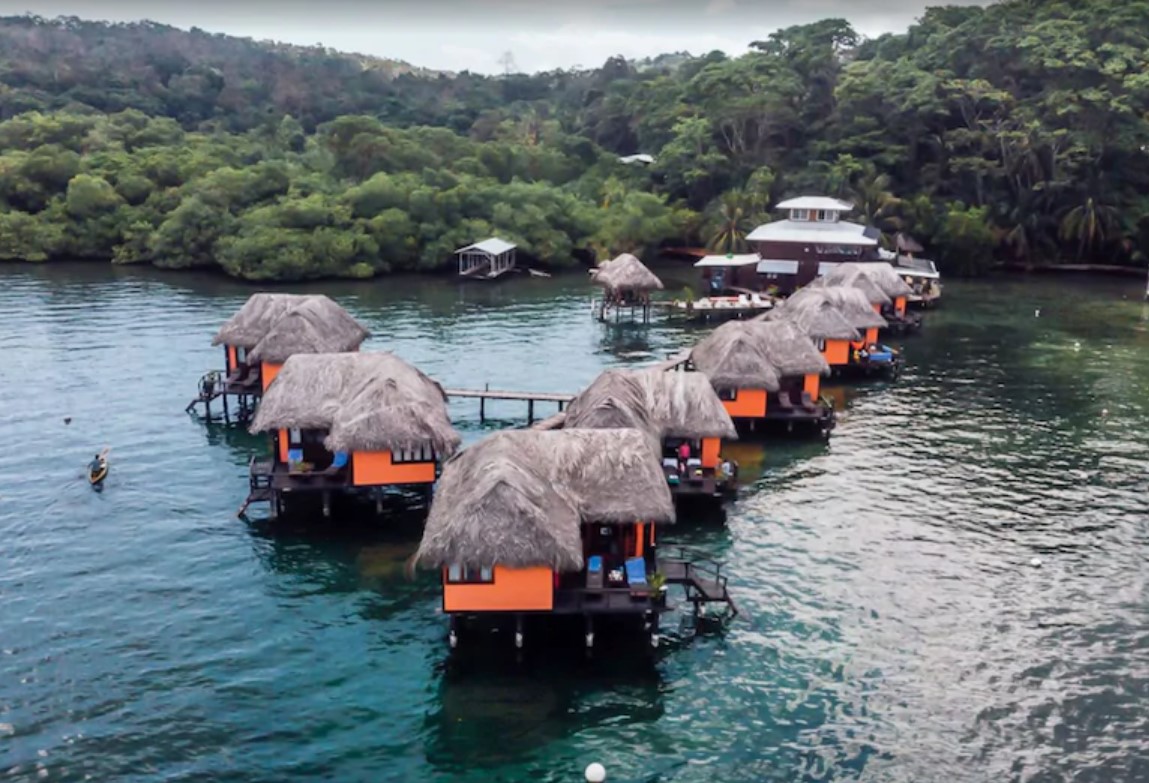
x,y
1013,132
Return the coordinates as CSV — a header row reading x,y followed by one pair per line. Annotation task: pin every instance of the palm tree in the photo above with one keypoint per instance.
x,y
1089,224
878,206
838,176
730,224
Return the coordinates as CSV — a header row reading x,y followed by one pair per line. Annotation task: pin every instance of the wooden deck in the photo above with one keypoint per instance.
x,y
707,486
608,600
277,477
702,579
213,387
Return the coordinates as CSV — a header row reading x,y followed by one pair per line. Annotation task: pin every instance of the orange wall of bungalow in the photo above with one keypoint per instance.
x,y
513,590
837,352
268,371
900,305
709,456
747,404
375,468
871,335
232,362
812,384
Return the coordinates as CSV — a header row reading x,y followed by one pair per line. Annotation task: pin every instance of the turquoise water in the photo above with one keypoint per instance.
x,y
892,628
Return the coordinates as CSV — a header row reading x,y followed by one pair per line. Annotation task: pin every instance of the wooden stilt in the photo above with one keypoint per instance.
x,y
530,411
326,503
226,412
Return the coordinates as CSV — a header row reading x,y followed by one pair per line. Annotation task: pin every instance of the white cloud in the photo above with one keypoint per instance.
x,y
473,34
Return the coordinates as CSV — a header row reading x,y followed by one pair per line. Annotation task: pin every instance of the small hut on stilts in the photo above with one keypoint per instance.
x,y
674,408
626,283
541,525
768,375
894,289
863,355
356,424
259,338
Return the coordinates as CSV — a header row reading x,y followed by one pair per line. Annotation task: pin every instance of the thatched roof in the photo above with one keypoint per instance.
x,y
685,405
663,404
314,325
258,314
518,498
614,400
881,273
627,273
367,402
819,318
733,358
788,348
851,275
850,301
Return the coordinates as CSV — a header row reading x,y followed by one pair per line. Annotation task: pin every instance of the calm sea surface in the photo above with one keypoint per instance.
x,y
893,628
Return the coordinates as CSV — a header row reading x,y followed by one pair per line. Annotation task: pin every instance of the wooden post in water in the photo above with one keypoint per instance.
x,y
530,411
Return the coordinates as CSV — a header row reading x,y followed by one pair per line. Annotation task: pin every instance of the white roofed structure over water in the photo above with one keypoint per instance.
x,y
487,259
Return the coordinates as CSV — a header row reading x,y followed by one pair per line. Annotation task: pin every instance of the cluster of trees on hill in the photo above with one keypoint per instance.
x,y
1017,132
355,199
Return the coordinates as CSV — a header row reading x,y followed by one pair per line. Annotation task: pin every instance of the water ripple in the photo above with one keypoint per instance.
x,y
892,627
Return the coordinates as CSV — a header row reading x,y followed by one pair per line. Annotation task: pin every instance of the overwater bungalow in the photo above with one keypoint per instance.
x,y
893,289
675,409
262,335
821,320
626,283
532,523
865,356
357,424
767,373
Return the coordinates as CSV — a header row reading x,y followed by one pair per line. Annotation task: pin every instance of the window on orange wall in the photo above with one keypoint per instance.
x,y
821,345
423,453
469,575
728,394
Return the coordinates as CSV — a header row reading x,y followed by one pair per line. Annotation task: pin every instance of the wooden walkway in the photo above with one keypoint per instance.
x,y
529,397
496,394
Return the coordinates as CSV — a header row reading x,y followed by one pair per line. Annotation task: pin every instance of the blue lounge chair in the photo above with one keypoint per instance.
x,y
594,573
636,576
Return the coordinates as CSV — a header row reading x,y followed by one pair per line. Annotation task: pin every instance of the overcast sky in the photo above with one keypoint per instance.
x,y
474,34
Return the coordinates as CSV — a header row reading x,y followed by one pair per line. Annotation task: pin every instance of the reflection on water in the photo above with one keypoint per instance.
x,y
891,626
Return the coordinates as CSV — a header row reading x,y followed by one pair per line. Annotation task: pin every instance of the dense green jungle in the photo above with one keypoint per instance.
x,y
1015,133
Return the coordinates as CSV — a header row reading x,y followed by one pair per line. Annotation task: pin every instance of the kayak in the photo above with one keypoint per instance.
x,y
97,475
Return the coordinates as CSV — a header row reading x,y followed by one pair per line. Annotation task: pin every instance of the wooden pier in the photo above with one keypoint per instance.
x,y
529,397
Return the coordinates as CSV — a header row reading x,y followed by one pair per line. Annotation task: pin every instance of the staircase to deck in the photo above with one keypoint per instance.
x,y
701,577
260,470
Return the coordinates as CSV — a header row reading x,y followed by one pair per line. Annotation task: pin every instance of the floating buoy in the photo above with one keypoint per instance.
x,y
1035,562
595,773
67,419
1037,313
1076,346
1104,411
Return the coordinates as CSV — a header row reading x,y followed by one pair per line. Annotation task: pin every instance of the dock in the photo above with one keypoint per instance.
x,y
529,397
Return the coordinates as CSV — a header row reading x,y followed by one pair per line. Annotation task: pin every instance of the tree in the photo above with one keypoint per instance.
x,y
1090,225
